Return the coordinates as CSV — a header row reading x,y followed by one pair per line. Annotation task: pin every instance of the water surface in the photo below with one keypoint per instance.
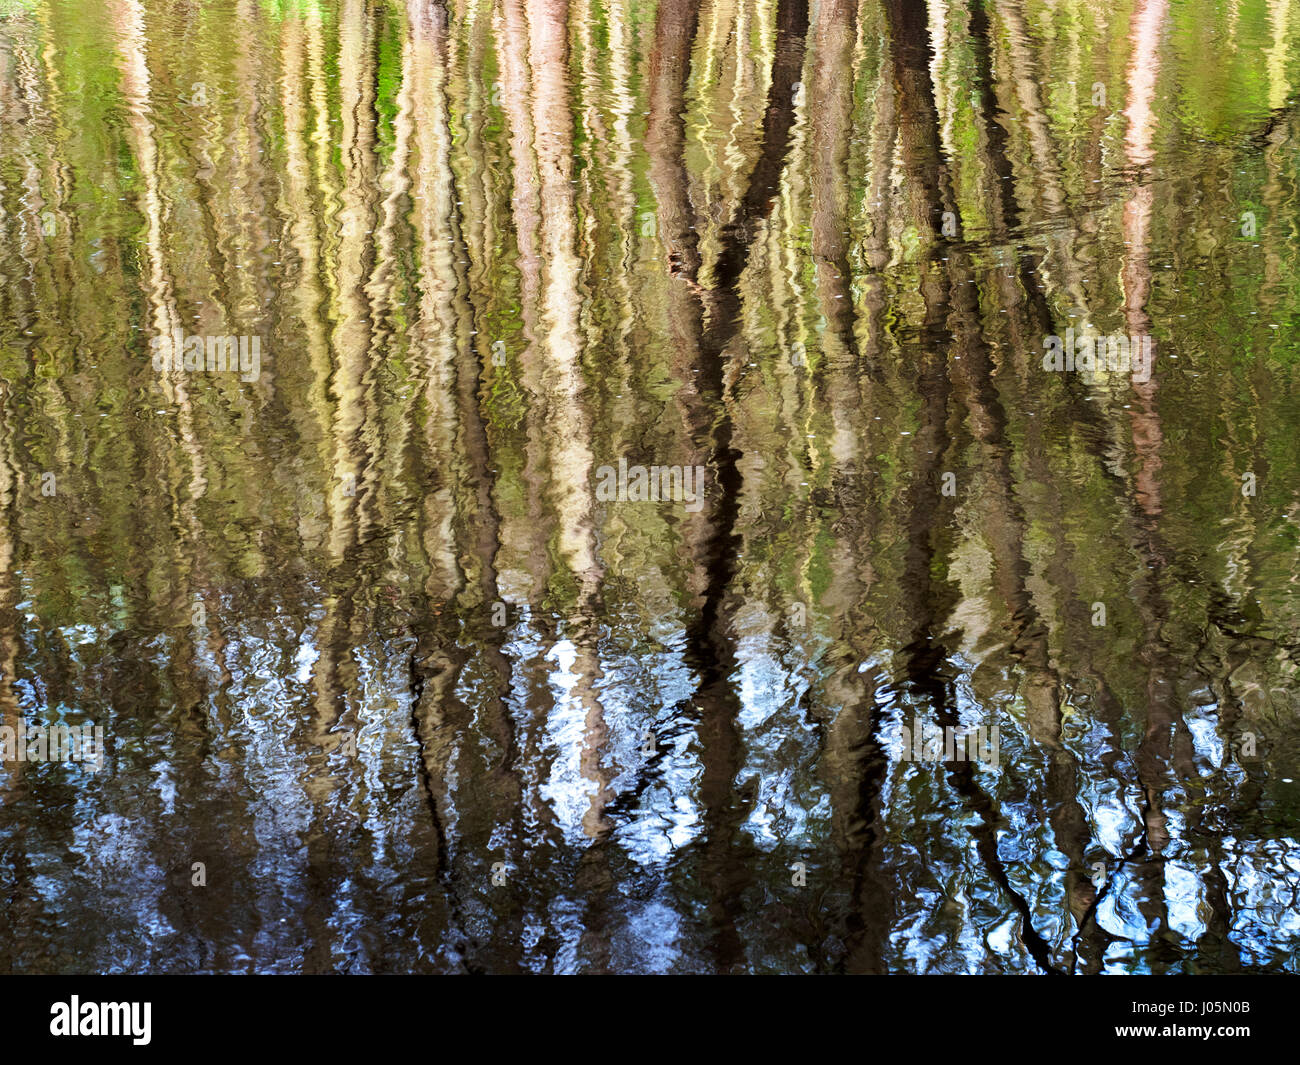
x,y
395,671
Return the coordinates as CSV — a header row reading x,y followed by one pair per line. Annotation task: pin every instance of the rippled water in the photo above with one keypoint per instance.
x,y
396,670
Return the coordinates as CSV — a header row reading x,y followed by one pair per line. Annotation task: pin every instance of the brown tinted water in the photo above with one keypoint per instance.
x,y
396,671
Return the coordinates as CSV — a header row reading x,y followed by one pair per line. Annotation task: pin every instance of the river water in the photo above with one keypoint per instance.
x,y
679,486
